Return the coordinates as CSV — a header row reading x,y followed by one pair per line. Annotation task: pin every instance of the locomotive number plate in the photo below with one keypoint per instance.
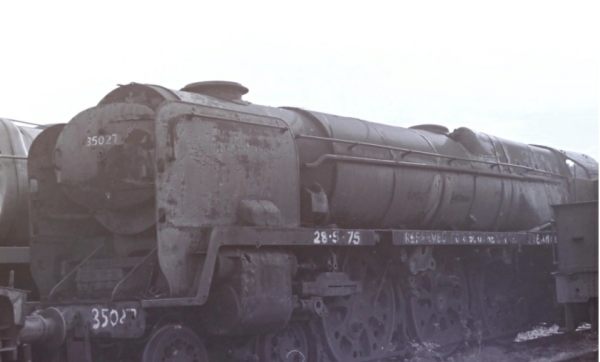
x,y
337,237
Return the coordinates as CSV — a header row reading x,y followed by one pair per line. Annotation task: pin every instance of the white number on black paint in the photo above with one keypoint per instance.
x,y
351,237
354,237
109,317
102,140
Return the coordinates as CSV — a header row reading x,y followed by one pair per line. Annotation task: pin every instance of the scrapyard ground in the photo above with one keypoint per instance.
x,y
541,344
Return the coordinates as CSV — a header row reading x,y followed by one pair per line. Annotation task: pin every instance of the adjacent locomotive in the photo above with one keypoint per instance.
x,y
15,140
175,220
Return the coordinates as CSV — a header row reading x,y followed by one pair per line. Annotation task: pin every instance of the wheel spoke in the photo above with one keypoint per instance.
x,y
502,308
437,303
291,344
371,317
174,343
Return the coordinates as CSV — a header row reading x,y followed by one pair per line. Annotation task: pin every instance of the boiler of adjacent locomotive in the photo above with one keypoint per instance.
x,y
15,141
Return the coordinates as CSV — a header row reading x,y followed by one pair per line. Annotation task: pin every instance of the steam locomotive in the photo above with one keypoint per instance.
x,y
192,225
15,139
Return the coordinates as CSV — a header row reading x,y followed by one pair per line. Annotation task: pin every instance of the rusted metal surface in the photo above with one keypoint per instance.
x,y
105,161
211,163
178,163
577,231
585,164
254,295
383,176
577,249
576,287
171,199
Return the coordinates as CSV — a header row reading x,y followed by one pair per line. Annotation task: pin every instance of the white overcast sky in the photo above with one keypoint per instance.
x,y
523,70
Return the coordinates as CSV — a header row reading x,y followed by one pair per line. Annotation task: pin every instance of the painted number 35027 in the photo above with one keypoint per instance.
x,y
344,237
101,140
111,317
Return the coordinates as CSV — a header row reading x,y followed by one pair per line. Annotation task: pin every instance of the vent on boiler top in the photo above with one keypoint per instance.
x,y
435,128
230,91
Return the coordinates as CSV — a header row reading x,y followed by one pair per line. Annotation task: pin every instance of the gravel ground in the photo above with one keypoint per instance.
x,y
545,343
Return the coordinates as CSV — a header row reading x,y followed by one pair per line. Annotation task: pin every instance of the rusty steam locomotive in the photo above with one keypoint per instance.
x,y
193,225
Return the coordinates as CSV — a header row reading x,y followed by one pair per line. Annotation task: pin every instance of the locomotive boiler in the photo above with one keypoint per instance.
x,y
173,220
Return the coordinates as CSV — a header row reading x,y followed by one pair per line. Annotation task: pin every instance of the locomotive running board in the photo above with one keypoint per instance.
x,y
334,237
